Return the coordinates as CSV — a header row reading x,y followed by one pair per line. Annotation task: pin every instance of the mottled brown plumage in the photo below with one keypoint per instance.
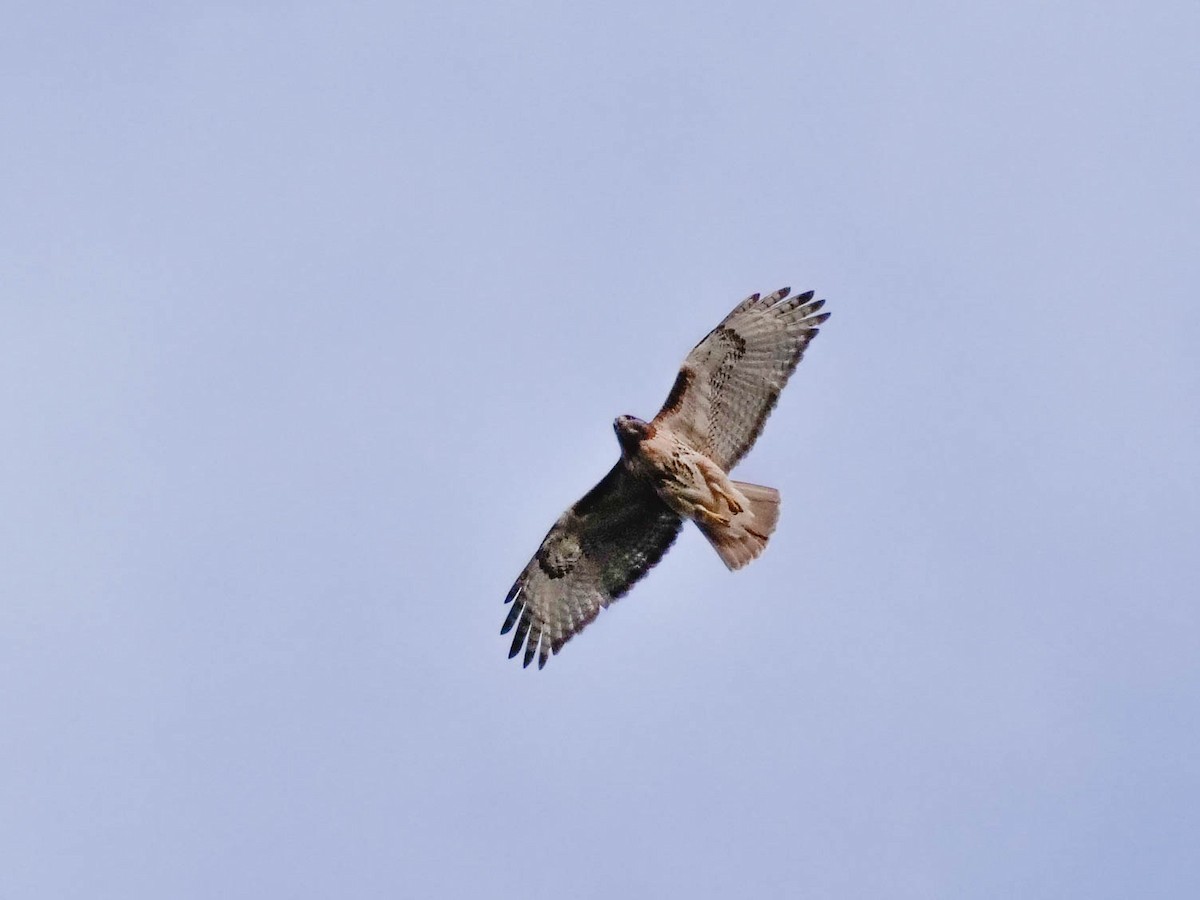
x,y
671,468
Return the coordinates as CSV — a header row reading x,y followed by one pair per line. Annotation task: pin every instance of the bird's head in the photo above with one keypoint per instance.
x,y
631,431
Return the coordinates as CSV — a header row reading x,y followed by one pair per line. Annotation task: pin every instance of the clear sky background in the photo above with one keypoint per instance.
x,y
315,316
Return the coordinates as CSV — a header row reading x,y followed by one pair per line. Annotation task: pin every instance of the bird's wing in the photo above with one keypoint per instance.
x,y
594,553
731,380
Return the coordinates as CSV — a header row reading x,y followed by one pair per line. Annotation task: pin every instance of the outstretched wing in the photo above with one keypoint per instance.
x,y
731,380
594,553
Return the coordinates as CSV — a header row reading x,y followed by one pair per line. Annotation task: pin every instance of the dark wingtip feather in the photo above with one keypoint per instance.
x,y
519,636
515,589
531,649
531,646
511,619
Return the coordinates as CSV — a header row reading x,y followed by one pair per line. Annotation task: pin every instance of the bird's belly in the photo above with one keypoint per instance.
x,y
679,481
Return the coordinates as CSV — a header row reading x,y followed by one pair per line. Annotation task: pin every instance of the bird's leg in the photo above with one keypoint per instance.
x,y
734,506
707,517
715,479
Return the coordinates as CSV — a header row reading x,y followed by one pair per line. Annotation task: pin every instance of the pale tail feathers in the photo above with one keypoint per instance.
x,y
745,537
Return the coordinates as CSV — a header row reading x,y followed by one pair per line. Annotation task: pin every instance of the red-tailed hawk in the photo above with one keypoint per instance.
x,y
672,468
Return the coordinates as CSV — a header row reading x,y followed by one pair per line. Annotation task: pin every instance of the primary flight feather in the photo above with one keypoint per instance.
x,y
674,467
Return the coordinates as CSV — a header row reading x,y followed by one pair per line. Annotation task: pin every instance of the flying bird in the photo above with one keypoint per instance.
x,y
674,467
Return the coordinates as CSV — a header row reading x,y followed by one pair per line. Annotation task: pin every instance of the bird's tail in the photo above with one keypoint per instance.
x,y
746,535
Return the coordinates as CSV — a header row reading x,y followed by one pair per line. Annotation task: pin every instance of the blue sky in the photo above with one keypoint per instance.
x,y
317,315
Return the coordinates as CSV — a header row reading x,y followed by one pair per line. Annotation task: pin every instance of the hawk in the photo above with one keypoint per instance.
x,y
672,468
